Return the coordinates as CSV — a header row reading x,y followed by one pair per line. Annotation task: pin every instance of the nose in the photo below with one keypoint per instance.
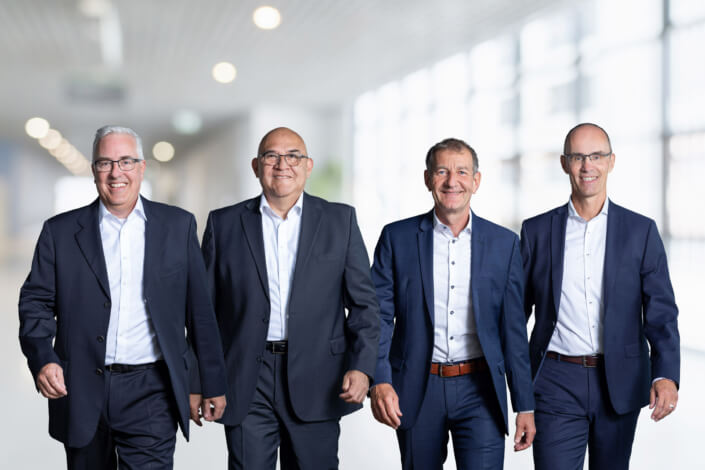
x,y
115,169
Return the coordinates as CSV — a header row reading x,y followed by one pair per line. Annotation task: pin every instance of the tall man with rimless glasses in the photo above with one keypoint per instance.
x,y
103,313
283,267
606,341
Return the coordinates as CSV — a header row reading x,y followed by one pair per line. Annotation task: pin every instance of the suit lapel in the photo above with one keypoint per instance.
x,y
425,247
90,244
310,223
251,220
477,255
612,251
559,221
155,233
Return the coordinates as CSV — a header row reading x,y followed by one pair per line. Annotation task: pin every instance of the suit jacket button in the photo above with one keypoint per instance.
x,y
100,339
264,319
99,371
106,305
259,358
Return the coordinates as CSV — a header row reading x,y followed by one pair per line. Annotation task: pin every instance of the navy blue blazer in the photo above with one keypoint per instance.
x,y
65,309
639,307
403,275
331,274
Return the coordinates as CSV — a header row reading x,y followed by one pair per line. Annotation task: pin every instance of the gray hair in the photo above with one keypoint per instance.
x,y
106,130
456,145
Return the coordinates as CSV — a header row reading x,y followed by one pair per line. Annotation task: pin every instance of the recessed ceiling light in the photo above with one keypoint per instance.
x,y
267,17
36,127
224,72
187,122
163,151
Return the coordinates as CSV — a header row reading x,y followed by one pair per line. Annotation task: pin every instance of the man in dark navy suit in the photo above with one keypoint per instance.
x,y
283,268
606,341
112,288
450,289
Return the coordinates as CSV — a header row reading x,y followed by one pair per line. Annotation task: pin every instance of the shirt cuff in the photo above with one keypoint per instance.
x,y
526,412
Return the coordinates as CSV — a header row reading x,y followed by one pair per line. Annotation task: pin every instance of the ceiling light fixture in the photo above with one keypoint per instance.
x,y
36,127
267,17
224,72
163,151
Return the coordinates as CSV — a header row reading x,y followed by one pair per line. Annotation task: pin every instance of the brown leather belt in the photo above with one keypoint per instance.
x,y
593,360
462,368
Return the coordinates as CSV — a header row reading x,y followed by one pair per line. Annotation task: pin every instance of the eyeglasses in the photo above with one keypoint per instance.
x,y
272,158
593,157
105,165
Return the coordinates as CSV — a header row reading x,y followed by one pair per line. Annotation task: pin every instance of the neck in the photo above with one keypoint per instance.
x,y
455,221
120,212
589,207
282,205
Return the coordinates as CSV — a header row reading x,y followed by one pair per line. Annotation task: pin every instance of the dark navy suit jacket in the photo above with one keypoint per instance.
x,y
639,306
331,274
65,309
403,275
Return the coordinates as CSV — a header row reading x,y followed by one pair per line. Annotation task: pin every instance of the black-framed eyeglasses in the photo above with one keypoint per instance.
x,y
272,158
593,157
125,164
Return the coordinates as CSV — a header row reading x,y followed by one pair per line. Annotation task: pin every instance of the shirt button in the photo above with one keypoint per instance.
x,y
452,262
454,241
451,338
452,312
452,287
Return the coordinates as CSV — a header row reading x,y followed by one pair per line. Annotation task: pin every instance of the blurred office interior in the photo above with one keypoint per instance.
x,y
370,85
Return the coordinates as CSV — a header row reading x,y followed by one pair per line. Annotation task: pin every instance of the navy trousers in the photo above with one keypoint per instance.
x,y
137,428
573,412
271,424
466,406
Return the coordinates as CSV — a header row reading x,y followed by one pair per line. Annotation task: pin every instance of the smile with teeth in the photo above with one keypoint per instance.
x,y
588,178
118,185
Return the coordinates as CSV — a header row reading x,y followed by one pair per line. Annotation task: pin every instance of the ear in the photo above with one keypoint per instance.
x,y
427,179
564,164
613,157
476,178
309,166
255,166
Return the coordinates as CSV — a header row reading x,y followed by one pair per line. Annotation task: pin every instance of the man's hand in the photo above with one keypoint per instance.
x,y
355,386
210,409
663,398
385,405
50,381
526,431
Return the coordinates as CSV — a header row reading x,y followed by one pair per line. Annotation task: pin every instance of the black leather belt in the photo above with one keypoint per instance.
x,y
277,347
592,360
123,368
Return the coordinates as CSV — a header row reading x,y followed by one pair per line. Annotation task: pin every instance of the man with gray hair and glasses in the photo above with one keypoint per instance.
x,y
112,315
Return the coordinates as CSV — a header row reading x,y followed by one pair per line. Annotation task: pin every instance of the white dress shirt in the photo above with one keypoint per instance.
x,y
131,338
281,243
579,325
455,333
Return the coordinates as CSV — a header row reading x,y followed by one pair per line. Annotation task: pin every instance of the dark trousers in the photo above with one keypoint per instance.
x,y
466,406
573,411
137,428
271,424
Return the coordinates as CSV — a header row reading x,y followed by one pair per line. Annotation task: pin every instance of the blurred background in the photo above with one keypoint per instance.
x,y
370,85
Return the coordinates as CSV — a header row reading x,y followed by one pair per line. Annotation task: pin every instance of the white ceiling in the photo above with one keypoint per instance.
x,y
324,53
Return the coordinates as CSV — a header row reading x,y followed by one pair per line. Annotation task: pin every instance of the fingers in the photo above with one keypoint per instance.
x,y
652,398
355,386
385,406
525,432
195,405
50,381
215,407
666,399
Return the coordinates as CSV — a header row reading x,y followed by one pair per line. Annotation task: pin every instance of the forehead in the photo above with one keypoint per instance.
x,y
117,145
588,139
283,141
453,158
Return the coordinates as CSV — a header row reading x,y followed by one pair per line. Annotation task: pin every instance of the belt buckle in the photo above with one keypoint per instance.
x,y
585,363
440,370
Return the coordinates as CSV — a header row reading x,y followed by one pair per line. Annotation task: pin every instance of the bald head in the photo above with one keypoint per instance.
x,y
590,128
288,135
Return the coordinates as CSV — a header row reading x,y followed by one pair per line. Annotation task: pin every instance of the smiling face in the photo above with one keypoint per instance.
x,y
282,182
588,180
118,189
452,182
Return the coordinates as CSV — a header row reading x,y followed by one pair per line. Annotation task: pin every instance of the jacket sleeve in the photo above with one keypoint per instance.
x,y
37,306
659,309
359,297
383,278
516,346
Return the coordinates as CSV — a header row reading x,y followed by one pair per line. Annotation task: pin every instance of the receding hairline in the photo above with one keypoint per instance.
x,y
278,130
566,143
